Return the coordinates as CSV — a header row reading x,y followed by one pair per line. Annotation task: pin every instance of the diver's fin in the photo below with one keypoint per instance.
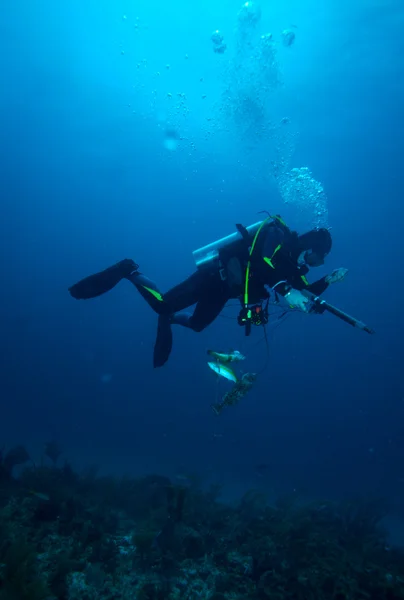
x,y
164,341
99,283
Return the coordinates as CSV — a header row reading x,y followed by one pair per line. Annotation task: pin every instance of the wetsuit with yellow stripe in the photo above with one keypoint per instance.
x,y
273,263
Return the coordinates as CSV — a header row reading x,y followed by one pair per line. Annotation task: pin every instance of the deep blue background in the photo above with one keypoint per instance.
x,y
86,181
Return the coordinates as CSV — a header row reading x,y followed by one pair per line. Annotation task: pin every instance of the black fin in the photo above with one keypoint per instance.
x,y
164,341
99,283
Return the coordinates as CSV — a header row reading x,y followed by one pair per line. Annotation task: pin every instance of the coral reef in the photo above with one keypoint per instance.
x,y
75,536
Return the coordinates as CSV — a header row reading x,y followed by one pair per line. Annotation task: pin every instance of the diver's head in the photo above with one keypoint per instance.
x,y
314,246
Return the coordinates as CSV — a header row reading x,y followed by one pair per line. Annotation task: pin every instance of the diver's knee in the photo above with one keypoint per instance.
x,y
195,326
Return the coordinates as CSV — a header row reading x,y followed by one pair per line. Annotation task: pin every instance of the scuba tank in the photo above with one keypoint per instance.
x,y
210,256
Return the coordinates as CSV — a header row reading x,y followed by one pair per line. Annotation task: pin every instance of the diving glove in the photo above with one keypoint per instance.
x,y
99,283
298,300
336,275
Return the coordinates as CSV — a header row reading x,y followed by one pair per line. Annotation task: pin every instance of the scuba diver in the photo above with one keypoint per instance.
x,y
252,264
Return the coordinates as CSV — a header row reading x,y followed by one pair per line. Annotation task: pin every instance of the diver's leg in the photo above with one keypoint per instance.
x,y
212,300
99,283
179,297
150,292
164,340
188,292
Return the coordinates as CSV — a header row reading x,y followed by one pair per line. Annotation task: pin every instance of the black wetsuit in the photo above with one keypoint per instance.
x,y
209,289
274,264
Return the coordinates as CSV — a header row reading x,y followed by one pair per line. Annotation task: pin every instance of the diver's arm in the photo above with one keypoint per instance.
x,y
318,287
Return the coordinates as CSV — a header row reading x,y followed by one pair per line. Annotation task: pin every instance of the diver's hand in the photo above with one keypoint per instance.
x,y
298,300
336,275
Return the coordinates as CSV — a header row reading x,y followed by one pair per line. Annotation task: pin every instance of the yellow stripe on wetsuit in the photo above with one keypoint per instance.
x,y
154,293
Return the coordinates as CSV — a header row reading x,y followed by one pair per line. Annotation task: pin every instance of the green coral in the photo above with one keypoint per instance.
x,y
66,536
19,577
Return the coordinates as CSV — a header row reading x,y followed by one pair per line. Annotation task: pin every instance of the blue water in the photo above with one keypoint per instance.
x,y
87,179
